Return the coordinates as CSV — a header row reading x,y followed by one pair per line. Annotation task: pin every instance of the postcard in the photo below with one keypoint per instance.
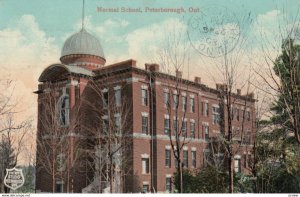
x,y
149,96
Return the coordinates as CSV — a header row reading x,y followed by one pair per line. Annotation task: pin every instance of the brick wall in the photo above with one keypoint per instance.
x,y
132,80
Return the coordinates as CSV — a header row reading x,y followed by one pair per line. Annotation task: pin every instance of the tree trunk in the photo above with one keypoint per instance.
x,y
229,140
111,175
53,183
181,178
230,170
100,175
68,182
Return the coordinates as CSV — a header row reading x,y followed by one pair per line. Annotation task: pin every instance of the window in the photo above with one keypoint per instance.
x,y
166,99
192,105
245,160
105,125
145,188
61,162
236,113
250,160
205,110
206,158
237,164
192,129
118,122
184,128
194,159
175,126
236,135
216,114
118,97
145,125
145,165
249,136
184,104
248,116
176,163
243,138
206,132
59,187
232,112
64,110
144,97
220,160
167,126
168,158
243,115
169,184
185,159
175,98
105,99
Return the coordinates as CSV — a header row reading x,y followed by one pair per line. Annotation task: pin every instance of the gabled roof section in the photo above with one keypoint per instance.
x,y
57,71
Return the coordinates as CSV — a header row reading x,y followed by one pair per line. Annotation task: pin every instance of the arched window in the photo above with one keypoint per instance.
x,y
64,110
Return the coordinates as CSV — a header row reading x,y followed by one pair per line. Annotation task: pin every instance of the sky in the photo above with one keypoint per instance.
x,y
32,33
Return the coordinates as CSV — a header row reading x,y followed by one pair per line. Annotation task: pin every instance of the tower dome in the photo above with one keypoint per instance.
x,y
81,44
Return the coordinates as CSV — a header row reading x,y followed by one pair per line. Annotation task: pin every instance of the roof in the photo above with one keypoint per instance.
x,y
82,42
53,72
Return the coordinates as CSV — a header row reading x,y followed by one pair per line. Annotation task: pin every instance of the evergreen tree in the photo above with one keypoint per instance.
x,y
287,106
277,148
7,160
29,176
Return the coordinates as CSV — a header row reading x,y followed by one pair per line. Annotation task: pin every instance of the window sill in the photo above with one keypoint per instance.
x,y
244,145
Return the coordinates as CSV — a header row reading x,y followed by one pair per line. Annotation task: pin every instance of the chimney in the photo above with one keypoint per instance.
x,y
250,95
238,91
178,74
152,67
219,86
197,80
222,87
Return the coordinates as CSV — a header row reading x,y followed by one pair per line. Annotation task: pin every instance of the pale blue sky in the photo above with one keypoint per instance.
x,y
57,17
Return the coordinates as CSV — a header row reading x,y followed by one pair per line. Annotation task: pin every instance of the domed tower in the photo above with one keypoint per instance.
x,y
84,50
59,91
60,111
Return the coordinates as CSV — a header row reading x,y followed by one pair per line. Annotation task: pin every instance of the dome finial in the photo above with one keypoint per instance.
x,y
83,2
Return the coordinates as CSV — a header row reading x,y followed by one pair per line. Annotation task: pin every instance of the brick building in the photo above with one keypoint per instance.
x,y
83,103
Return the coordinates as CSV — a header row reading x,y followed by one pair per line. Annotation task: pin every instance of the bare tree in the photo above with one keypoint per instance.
x,y
12,130
58,137
109,133
174,57
278,66
226,50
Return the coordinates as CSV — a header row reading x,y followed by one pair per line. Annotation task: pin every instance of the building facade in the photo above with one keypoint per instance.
x,y
109,128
